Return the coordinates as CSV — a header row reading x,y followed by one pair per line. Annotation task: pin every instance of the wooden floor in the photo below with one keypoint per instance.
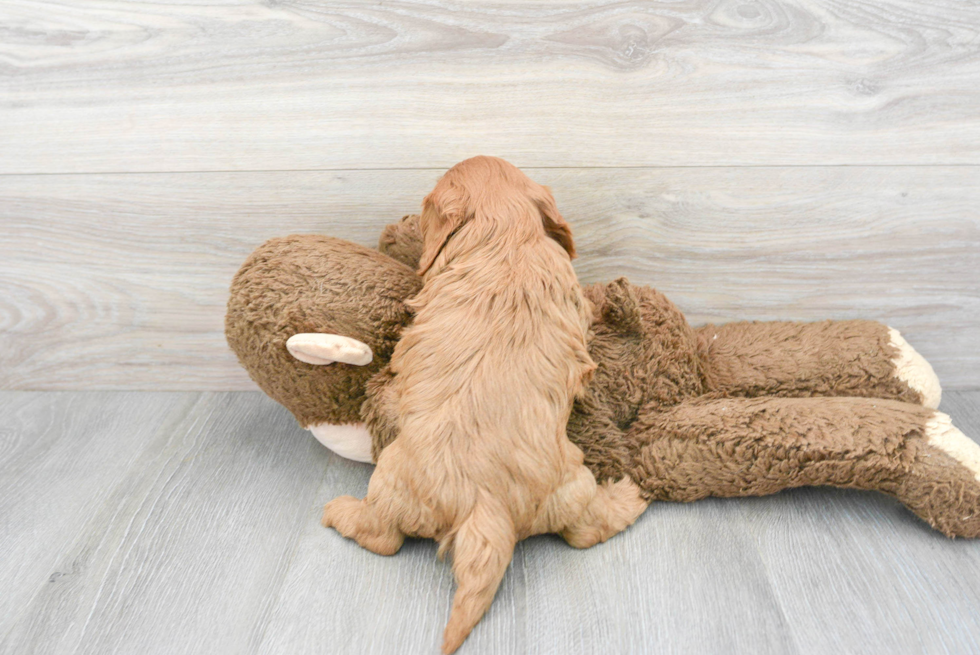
x,y
171,523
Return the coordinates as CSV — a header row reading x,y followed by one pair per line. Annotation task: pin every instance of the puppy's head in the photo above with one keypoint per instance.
x,y
487,188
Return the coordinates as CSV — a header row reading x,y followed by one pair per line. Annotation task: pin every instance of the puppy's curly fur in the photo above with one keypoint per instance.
x,y
484,381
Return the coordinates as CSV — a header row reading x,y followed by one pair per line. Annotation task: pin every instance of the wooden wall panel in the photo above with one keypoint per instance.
x,y
120,281
310,84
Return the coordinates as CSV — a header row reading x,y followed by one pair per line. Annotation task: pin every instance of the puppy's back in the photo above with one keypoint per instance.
x,y
487,375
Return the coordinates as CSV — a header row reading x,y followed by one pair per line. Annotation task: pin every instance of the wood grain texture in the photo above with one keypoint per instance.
x,y
753,159
120,281
186,551
62,456
189,523
312,84
677,581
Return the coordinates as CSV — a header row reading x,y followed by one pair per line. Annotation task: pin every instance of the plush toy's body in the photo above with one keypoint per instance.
x,y
733,410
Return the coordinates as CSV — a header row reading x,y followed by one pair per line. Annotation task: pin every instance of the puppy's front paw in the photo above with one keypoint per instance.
x,y
341,514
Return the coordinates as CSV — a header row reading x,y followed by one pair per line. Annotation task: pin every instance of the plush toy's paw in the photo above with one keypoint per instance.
x,y
944,485
912,369
314,348
942,434
351,440
402,241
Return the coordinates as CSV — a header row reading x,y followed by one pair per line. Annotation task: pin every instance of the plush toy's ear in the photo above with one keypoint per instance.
x,y
443,212
320,349
554,224
621,307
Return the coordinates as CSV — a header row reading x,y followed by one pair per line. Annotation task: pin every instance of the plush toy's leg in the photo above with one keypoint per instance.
x,y
350,440
913,369
750,447
830,358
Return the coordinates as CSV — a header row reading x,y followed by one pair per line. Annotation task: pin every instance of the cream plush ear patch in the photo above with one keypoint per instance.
x,y
323,349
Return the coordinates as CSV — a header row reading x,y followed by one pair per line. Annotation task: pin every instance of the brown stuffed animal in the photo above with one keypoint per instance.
x,y
741,409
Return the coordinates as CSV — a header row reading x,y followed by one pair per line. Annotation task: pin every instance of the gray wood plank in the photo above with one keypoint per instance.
x,y
682,579
187,523
120,281
187,552
62,457
855,568
163,86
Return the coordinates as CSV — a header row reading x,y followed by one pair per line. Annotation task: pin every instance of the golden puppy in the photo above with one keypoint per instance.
x,y
484,383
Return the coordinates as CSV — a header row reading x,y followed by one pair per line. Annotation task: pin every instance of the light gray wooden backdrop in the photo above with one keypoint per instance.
x,y
760,159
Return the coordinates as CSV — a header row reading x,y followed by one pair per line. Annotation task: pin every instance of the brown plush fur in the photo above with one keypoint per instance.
x,y
482,387
733,410
758,446
311,283
742,361
402,241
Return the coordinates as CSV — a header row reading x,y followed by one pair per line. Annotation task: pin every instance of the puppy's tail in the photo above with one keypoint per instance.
x,y
482,548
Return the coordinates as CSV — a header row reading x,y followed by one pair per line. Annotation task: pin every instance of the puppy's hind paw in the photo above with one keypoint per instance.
x,y
355,519
341,513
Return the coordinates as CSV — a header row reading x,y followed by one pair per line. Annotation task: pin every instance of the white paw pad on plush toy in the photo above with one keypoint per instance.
x,y
913,369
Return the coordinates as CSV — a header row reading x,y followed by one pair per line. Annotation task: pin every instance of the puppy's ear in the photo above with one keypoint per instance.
x,y
554,225
443,212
